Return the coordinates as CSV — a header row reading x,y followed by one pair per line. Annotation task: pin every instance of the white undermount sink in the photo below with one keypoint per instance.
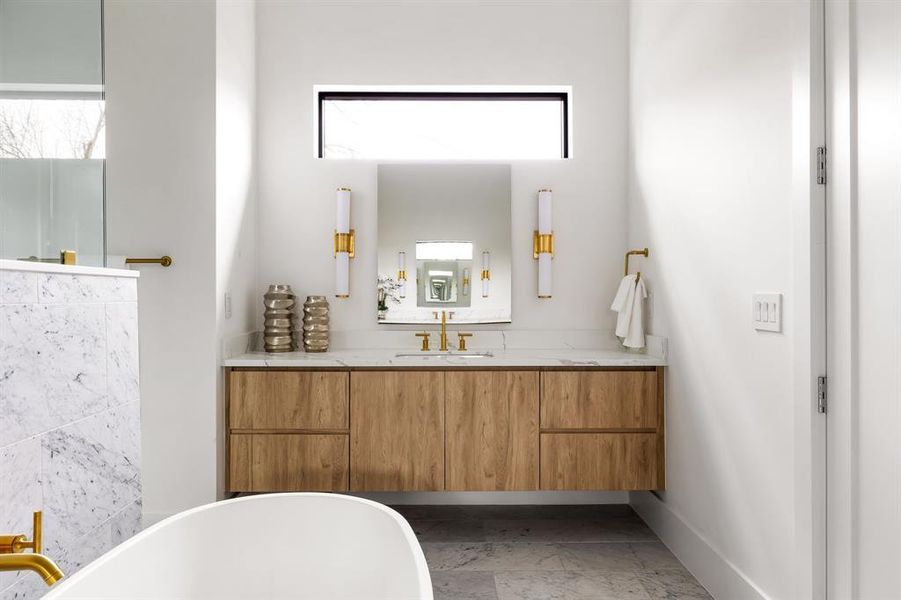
x,y
451,354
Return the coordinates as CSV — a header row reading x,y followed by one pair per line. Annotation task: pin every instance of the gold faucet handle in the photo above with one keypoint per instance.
x,y
461,337
14,544
425,340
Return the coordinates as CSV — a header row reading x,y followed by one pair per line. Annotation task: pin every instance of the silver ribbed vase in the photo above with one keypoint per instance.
x,y
278,319
315,324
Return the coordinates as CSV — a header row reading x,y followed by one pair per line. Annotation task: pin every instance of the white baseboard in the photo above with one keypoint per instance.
x,y
714,571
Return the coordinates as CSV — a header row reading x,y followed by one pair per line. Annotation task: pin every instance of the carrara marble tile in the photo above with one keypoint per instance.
x,y
122,352
94,473
20,490
54,367
55,288
18,287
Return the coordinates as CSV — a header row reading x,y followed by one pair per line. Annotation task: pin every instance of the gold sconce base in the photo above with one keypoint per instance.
x,y
401,275
542,243
486,274
344,242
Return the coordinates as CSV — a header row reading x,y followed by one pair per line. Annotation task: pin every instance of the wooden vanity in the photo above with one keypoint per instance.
x,y
456,429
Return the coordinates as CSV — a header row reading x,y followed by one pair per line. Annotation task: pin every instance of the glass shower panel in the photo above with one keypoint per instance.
x,y
52,130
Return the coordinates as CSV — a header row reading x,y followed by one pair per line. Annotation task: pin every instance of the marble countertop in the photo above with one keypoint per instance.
x,y
388,357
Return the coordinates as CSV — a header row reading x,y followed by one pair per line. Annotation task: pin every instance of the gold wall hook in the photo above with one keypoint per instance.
x,y
165,261
643,252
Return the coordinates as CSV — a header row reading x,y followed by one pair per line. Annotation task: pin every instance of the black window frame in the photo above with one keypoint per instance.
x,y
345,95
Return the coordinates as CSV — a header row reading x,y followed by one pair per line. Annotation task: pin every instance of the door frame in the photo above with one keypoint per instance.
x,y
809,274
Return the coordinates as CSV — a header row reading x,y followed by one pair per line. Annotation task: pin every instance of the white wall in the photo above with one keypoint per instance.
x,y
236,200
711,195
582,44
864,86
161,183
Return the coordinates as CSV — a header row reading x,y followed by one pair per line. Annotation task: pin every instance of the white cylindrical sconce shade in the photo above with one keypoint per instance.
x,y
344,244
486,273
466,281
402,274
544,244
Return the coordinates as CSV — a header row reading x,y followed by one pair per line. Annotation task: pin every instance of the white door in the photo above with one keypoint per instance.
x,y
863,77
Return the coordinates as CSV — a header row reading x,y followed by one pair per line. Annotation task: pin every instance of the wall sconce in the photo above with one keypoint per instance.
x,y
344,244
466,282
402,274
543,243
486,272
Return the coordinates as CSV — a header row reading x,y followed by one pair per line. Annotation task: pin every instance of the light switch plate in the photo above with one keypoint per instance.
x,y
766,312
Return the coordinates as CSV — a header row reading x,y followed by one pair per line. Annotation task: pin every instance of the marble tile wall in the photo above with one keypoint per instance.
x,y
69,416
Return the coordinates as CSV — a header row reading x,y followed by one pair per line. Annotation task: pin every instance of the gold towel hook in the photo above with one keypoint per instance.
x,y
643,252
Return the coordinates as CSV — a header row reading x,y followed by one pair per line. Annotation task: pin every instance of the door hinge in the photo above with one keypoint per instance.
x,y
821,394
821,165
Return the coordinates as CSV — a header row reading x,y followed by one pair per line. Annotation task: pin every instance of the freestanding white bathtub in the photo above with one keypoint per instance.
x,y
309,546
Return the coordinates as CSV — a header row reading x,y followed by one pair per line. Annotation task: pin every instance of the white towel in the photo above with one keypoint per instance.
x,y
629,304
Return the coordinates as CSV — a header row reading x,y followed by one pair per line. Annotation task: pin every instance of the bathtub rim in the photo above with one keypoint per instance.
x,y
425,584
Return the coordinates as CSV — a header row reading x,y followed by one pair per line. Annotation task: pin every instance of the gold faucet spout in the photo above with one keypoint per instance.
x,y
38,563
444,331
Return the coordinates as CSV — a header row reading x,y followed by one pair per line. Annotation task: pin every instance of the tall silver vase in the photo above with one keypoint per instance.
x,y
315,324
278,319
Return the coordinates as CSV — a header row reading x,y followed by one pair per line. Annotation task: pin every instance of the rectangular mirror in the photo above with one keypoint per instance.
x,y
444,243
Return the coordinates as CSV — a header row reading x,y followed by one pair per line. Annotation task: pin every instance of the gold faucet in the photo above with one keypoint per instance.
x,y
443,346
14,558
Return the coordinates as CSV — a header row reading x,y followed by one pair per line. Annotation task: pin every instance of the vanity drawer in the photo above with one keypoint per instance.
x,y
599,400
288,400
601,461
288,462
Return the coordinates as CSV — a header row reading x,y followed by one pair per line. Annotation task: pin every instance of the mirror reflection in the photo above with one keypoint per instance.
x,y
453,221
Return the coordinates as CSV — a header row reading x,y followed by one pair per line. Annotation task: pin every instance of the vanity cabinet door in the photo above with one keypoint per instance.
x,y
397,431
288,462
288,400
492,430
599,400
600,461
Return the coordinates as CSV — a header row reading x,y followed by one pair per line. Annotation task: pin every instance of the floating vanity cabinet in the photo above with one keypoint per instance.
x,y
602,430
397,431
492,430
288,431
456,429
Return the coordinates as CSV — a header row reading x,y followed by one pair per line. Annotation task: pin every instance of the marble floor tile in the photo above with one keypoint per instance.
x,y
567,585
547,553
654,556
449,531
598,556
463,585
672,584
487,556
567,530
